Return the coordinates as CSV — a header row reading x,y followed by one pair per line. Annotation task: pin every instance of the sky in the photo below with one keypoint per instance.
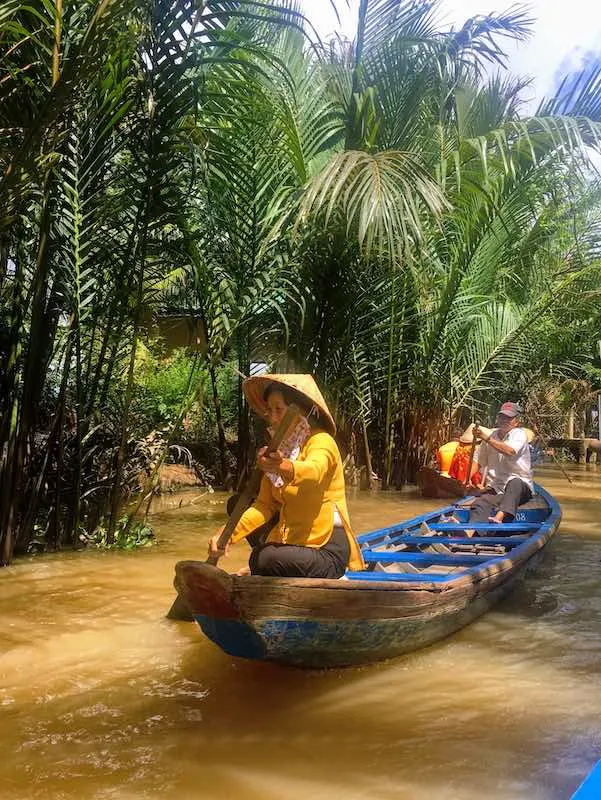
x,y
565,31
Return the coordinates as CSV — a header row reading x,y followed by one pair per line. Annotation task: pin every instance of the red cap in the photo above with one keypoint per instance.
x,y
511,410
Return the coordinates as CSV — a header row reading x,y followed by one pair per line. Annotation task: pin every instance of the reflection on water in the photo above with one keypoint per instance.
x,y
104,698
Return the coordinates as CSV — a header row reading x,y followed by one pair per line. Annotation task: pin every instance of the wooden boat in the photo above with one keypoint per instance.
x,y
421,583
432,483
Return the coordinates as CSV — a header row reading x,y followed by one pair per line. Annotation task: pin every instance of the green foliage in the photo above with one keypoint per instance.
x,y
162,384
127,536
375,212
418,318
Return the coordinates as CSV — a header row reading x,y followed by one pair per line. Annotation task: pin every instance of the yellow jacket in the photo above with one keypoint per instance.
x,y
307,503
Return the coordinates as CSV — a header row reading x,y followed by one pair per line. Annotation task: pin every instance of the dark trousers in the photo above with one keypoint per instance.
x,y
295,561
258,536
516,492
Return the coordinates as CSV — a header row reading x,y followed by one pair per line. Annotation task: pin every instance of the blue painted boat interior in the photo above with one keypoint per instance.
x,y
433,548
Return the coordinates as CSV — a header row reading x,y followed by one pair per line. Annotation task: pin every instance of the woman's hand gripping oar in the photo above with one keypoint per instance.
x,y
179,610
289,421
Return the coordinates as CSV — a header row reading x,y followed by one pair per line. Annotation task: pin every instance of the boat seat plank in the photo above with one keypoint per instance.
x,y
394,530
457,559
512,541
409,577
398,566
506,527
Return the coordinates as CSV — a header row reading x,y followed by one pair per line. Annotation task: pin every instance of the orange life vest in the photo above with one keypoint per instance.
x,y
461,464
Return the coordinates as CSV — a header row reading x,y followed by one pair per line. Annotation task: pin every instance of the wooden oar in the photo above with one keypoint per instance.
x,y
471,461
179,610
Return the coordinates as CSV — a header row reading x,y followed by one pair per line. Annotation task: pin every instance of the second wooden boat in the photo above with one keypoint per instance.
x,y
433,484
425,579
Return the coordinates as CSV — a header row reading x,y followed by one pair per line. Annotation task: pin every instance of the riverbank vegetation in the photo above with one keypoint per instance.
x,y
385,213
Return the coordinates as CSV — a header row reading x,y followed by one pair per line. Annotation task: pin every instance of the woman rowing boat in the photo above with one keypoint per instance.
x,y
304,482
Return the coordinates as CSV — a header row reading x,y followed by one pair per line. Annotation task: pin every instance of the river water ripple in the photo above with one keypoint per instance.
x,y
102,697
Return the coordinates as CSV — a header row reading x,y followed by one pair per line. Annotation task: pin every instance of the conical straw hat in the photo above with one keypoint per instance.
x,y
467,437
254,388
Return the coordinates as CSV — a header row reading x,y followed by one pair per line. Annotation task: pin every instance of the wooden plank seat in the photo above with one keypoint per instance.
x,y
437,568
476,547
396,530
423,577
482,527
436,547
425,558
413,540
513,541
399,566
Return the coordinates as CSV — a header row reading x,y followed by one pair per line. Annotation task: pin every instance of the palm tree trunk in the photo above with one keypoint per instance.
x,y
4,244
226,477
10,416
388,426
24,409
129,393
54,532
56,51
79,406
122,289
243,410
368,464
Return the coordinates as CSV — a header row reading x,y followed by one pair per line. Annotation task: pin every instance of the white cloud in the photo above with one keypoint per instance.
x,y
563,31
323,17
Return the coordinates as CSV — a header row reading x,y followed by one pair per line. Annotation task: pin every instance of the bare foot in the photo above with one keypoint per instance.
x,y
498,517
242,572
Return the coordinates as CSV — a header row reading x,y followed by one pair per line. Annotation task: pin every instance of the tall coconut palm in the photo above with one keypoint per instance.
x,y
445,200
99,104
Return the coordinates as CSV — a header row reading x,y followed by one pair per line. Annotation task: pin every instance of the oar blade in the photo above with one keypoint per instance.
x,y
179,610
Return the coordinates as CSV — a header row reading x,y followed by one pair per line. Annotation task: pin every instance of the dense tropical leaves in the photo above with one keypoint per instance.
x,y
107,108
482,273
376,212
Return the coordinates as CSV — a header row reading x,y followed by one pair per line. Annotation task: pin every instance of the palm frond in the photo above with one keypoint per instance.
x,y
380,197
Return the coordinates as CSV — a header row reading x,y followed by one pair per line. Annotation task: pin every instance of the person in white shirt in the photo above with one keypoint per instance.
x,y
504,458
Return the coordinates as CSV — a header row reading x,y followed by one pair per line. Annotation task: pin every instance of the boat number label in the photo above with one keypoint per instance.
x,y
520,516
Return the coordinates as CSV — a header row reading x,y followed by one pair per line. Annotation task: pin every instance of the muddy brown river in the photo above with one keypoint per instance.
x,y
101,697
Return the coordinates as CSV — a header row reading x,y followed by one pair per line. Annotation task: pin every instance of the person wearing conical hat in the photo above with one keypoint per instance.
x,y
504,458
304,483
465,459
